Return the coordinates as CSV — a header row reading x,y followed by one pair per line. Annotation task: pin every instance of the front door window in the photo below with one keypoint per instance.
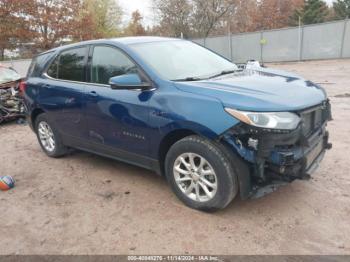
x,y
108,62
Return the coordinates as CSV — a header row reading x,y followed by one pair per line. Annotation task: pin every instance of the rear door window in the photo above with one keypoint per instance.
x,y
108,62
69,65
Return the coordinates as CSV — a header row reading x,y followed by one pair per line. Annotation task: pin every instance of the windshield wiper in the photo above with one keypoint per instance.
x,y
226,72
192,78
188,79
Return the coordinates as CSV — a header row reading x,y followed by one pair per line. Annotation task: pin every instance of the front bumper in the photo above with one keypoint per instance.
x,y
276,158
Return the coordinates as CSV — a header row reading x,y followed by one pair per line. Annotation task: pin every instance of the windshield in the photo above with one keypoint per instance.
x,y
8,75
181,60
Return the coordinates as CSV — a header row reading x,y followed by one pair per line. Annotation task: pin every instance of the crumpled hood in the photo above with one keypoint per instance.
x,y
260,89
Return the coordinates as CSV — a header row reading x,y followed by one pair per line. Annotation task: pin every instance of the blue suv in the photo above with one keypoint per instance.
x,y
213,129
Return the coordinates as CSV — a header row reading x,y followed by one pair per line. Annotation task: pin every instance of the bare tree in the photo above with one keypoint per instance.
x,y
210,15
173,17
192,18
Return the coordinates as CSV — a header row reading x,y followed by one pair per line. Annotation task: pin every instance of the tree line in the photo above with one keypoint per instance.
x,y
198,18
38,25
32,26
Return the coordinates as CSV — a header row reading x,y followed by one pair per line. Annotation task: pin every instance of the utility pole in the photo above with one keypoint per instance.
x,y
229,39
299,42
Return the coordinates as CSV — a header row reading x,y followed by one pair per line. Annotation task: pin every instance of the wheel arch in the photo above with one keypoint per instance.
x,y
34,114
168,141
239,165
177,131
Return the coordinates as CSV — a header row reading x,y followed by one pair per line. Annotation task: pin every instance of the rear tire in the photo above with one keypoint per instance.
x,y
200,174
48,137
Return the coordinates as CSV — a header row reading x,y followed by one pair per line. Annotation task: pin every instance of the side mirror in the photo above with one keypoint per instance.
x,y
128,82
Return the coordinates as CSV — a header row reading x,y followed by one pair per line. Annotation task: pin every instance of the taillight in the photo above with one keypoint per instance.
x,y
22,86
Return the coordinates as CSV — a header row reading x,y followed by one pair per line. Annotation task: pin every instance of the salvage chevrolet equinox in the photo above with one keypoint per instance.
x,y
213,129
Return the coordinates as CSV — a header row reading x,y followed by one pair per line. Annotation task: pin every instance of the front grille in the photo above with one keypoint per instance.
x,y
313,119
307,123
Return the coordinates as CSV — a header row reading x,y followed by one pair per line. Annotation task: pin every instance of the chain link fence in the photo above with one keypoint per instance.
x,y
320,41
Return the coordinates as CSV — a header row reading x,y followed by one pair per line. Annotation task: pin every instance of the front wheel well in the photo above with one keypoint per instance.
x,y
167,142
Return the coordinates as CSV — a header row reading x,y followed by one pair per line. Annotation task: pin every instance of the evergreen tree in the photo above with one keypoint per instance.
x,y
342,9
313,12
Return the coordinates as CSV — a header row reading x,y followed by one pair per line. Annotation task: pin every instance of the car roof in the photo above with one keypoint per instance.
x,y
121,40
141,39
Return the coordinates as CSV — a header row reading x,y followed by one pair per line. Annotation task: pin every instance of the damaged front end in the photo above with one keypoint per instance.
x,y
278,157
11,101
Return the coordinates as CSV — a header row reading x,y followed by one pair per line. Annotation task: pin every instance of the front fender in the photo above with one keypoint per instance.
x,y
175,110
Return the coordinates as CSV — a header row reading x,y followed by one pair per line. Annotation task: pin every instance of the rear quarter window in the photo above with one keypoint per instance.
x,y
38,64
52,71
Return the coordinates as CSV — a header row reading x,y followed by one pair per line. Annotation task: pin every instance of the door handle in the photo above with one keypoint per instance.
x,y
46,86
93,93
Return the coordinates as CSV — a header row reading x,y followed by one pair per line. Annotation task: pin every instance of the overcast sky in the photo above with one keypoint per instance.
x,y
145,7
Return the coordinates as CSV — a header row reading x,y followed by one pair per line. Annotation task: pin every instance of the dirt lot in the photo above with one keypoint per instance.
x,y
85,204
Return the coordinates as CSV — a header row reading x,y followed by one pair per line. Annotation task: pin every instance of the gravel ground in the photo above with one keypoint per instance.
x,y
85,204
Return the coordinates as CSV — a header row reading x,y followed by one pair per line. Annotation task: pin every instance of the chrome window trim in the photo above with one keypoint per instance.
x,y
90,84
70,81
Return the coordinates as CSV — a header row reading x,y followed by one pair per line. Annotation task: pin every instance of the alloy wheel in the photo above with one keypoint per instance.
x,y
195,177
46,136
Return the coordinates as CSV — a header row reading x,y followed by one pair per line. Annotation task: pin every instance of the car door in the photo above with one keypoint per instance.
x,y
117,119
63,92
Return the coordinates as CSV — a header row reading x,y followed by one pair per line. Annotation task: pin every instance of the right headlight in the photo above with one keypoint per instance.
x,y
272,120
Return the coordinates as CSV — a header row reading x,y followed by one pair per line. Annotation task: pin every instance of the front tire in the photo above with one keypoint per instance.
x,y
48,137
200,174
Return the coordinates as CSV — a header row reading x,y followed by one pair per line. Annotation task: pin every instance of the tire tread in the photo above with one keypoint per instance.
x,y
215,149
